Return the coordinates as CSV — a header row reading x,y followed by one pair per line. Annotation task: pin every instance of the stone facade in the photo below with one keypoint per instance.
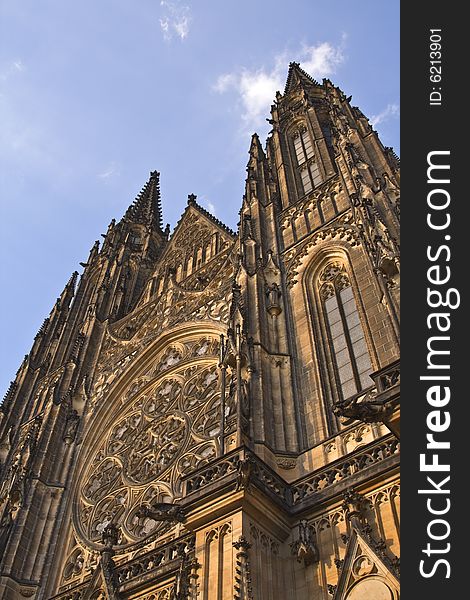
x,y
214,414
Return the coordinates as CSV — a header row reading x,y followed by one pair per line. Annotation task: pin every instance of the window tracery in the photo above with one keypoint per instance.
x,y
170,426
348,343
308,168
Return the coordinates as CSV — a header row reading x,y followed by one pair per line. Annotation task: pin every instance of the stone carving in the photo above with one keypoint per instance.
x,y
244,473
162,594
304,548
162,558
101,479
293,212
379,546
355,506
27,592
74,565
343,228
364,407
71,426
155,448
110,536
273,301
173,305
169,427
16,479
382,247
286,463
334,473
162,511
389,379
243,584
169,309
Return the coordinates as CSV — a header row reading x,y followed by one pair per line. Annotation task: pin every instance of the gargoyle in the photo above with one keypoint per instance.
x,y
162,511
245,472
304,548
364,408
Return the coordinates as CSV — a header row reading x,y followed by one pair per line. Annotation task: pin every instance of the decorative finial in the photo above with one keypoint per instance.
x,y
192,199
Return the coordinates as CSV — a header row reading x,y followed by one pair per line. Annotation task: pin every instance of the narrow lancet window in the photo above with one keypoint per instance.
x,y
351,356
309,171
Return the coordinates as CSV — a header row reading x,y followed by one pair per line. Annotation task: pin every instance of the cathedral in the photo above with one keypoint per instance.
x,y
209,414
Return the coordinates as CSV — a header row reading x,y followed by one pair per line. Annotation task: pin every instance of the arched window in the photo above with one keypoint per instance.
x,y
349,348
308,168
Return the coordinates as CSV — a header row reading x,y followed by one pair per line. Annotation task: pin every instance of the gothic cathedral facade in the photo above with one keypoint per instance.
x,y
214,415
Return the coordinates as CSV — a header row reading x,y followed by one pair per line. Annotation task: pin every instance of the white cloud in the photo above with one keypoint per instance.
x,y
208,205
256,89
391,111
111,170
176,21
224,82
15,66
165,26
323,59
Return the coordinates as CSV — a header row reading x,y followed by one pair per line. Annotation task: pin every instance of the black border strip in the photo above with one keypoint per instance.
x,y
428,127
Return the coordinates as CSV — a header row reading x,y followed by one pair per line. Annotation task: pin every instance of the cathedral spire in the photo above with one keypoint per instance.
x,y
69,289
256,149
147,208
297,76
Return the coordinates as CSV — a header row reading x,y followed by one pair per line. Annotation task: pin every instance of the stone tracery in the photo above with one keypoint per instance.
x,y
169,427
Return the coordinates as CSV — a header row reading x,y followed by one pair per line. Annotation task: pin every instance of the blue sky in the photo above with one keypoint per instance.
x,y
96,94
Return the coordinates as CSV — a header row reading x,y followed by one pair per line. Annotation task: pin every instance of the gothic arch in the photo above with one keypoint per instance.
x,y
326,369
159,420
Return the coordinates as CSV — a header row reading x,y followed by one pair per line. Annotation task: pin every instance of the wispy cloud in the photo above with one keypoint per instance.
x,y
256,88
208,205
211,207
176,20
392,111
13,67
110,171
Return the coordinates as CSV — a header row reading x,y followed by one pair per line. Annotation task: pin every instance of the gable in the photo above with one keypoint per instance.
x,y
197,239
364,575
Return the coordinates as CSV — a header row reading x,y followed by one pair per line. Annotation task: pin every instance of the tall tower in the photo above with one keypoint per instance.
x,y
215,414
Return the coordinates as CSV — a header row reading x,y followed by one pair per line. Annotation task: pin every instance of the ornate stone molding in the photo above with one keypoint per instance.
x,y
342,228
304,548
292,495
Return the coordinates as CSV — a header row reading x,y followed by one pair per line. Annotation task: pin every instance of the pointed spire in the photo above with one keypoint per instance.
x,y
247,232
256,149
147,208
257,156
69,288
5,404
93,254
43,329
297,75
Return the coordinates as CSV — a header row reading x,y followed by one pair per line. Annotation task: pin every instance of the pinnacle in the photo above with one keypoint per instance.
x,y
73,280
297,75
146,208
256,149
69,288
